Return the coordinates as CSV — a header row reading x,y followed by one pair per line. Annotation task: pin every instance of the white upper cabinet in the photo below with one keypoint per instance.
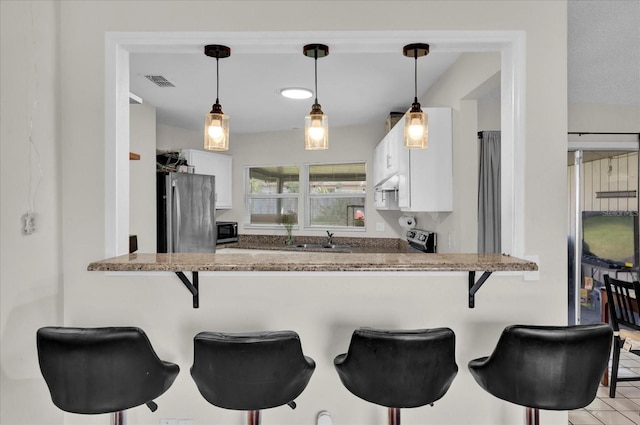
x,y
388,157
213,164
422,178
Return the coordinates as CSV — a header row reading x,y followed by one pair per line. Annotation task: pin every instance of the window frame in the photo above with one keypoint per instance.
x,y
308,197
248,196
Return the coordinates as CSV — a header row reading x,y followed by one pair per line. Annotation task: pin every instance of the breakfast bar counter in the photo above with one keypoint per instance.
x,y
245,261
301,261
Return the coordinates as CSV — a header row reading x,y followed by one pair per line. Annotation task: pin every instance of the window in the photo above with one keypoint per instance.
x,y
272,195
336,194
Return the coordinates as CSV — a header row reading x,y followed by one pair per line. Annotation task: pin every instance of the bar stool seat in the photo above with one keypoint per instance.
x,y
102,370
399,369
250,371
546,367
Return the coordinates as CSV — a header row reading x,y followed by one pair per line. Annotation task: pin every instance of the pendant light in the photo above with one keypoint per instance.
x,y
216,123
416,128
316,124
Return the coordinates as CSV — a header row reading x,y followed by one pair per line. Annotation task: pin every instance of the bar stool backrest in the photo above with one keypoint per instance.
x,y
546,367
101,370
250,371
398,369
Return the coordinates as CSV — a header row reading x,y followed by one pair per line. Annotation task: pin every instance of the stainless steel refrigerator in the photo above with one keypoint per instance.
x,y
186,212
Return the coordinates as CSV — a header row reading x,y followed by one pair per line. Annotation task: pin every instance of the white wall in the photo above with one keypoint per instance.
x,y
457,231
488,115
30,265
604,118
170,138
346,144
324,309
142,176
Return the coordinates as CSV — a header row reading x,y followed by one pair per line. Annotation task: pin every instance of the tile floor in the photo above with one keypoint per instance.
x,y
624,409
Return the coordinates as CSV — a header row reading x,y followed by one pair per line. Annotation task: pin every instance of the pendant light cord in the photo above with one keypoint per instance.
x,y
415,76
315,60
217,79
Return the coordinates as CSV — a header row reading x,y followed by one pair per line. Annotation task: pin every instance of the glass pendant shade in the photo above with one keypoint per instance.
x,y
316,124
416,130
316,130
216,123
216,132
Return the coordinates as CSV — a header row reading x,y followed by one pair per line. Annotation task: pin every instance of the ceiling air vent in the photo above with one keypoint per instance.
x,y
159,81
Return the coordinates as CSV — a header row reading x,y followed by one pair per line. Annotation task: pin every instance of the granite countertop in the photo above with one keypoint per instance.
x,y
312,262
345,244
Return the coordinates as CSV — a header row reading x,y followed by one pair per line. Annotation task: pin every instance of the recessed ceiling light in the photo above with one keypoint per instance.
x,y
296,93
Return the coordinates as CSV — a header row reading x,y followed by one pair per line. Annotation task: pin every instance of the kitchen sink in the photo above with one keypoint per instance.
x,y
322,246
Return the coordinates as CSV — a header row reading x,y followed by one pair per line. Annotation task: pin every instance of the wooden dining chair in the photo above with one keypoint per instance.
x,y
623,298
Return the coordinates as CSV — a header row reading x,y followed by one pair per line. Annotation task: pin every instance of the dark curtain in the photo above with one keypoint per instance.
x,y
489,234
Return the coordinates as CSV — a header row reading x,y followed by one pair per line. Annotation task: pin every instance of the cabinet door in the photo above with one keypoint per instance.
x,y
403,168
213,164
396,154
389,154
378,164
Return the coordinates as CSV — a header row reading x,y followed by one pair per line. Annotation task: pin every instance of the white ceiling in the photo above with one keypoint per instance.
x,y
353,88
604,52
357,88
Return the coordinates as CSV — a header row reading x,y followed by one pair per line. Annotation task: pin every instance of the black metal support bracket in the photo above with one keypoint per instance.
x,y
191,286
475,286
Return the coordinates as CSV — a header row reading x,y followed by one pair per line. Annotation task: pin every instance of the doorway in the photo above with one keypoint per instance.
x,y
602,179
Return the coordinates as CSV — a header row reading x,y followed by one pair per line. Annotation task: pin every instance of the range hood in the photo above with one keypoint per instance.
x,y
389,183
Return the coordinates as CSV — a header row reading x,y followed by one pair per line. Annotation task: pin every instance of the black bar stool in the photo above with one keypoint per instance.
x,y
546,367
102,370
250,371
399,369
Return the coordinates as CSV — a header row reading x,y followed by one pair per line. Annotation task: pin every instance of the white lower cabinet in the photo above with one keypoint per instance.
x,y
423,177
213,164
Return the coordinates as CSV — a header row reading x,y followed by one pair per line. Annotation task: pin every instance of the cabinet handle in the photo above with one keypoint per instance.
x,y
388,161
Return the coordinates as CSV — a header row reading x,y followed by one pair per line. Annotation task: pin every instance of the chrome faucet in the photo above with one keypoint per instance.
x,y
329,238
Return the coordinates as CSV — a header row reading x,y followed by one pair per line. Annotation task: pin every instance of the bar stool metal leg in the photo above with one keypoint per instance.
x,y
532,416
394,416
253,417
119,418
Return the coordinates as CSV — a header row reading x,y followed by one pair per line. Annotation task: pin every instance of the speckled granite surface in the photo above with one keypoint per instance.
x,y
313,262
357,245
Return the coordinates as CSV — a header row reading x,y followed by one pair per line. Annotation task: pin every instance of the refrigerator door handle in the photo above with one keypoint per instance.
x,y
176,218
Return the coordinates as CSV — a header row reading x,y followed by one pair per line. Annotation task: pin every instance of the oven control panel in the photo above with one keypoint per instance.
x,y
422,240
